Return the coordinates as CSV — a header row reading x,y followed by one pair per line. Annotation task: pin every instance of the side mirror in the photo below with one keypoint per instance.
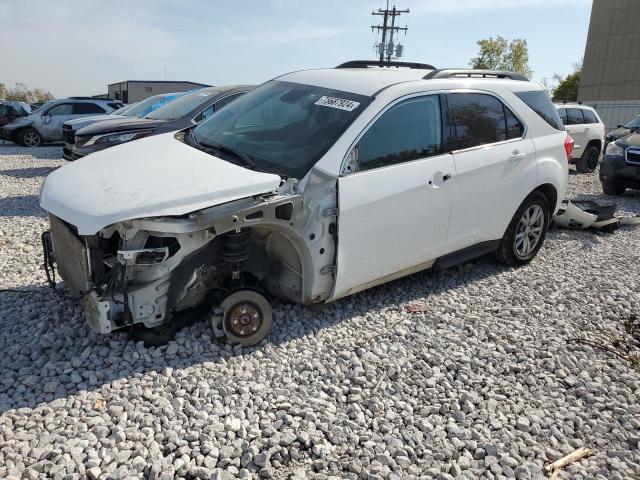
x,y
620,126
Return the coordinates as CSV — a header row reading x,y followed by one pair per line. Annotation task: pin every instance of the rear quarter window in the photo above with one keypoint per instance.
x,y
589,117
540,103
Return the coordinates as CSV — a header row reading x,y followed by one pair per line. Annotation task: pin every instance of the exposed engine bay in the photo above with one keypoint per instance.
x,y
226,260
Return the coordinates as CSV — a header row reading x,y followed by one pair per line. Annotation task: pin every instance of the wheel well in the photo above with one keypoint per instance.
x,y
597,144
549,191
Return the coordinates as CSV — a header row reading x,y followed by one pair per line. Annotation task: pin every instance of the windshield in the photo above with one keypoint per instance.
x,y
181,106
284,127
145,105
44,105
633,123
124,110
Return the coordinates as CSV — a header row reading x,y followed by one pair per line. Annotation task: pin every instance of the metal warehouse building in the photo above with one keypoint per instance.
x,y
131,91
611,72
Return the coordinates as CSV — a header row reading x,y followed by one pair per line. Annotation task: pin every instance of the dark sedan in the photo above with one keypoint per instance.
x,y
623,130
181,113
620,167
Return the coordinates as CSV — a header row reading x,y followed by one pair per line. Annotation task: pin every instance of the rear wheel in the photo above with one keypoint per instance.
x,y
589,160
526,232
29,137
247,317
611,187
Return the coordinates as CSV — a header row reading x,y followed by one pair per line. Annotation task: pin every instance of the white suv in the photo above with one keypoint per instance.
x,y
587,130
315,185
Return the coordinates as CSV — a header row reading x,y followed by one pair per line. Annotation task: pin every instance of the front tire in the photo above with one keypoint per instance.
x,y
589,160
611,187
29,137
526,232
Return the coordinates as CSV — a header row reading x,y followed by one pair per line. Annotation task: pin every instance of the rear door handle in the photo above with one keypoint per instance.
x,y
517,156
446,176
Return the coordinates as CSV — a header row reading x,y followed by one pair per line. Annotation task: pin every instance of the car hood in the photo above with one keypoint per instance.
x,y
151,177
18,123
632,140
84,121
119,125
618,132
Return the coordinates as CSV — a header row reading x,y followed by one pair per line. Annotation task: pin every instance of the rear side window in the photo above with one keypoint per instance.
x,y
563,115
86,108
540,103
589,117
410,130
482,119
574,116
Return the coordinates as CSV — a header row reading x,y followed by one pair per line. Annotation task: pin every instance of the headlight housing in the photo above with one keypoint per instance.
x,y
615,150
115,138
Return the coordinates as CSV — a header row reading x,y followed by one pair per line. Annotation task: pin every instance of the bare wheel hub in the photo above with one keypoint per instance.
x,y
244,319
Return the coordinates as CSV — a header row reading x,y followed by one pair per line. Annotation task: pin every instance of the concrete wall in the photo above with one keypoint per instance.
x,y
611,69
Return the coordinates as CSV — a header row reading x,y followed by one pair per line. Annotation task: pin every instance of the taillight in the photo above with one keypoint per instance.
x,y
568,146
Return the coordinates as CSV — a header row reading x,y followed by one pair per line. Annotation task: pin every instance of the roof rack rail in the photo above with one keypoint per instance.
x,y
378,63
473,73
81,98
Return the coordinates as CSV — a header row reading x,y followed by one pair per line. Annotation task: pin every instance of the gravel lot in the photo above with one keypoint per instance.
x,y
484,384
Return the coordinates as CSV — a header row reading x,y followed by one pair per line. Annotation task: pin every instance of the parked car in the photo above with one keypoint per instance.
x,y
45,123
311,187
623,130
10,111
620,168
70,127
183,112
587,130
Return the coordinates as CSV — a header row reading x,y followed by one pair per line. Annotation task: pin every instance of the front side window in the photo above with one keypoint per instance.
x,y
62,109
284,127
410,130
87,109
482,119
574,116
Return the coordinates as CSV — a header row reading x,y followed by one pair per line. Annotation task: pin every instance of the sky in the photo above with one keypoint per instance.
x,y
77,47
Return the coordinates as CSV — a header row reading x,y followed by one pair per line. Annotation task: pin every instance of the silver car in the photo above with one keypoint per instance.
x,y
45,123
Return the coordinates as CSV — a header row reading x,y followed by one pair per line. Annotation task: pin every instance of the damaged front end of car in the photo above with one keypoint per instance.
x,y
223,262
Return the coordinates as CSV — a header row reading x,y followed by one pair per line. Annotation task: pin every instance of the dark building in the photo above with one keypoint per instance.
x,y
131,91
611,71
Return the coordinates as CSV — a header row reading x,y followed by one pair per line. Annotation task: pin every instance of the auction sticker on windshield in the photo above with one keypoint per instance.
x,y
340,103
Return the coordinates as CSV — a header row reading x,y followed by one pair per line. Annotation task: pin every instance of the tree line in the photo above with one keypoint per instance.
x,y
21,93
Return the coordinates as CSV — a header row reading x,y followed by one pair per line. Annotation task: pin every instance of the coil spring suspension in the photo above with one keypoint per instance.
x,y
235,250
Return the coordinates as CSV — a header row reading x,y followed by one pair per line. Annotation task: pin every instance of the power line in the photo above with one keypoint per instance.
x,y
384,47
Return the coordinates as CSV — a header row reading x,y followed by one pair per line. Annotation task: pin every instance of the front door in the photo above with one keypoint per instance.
x,y
52,120
394,196
495,168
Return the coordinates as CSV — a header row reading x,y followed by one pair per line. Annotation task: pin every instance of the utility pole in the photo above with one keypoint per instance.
x,y
383,46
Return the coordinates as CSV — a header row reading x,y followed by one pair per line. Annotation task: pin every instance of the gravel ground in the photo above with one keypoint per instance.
x,y
485,383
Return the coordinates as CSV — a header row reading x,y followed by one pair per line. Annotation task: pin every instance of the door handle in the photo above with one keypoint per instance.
x,y
446,176
517,155
438,179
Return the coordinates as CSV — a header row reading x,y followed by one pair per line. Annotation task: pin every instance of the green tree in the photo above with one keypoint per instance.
x,y
3,91
567,89
500,54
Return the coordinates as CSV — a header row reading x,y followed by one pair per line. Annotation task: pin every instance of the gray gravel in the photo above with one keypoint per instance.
x,y
484,384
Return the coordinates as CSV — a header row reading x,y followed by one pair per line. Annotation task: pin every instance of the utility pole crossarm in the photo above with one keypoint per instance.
x,y
383,46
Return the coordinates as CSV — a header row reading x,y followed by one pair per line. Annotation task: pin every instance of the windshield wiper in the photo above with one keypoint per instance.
x,y
244,158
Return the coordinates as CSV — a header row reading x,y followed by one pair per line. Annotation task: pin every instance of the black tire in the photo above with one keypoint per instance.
x,y
507,252
611,187
589,160
247,317
29,137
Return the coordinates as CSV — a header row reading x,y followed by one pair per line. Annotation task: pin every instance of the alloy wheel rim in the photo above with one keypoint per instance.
x,y
529,231
31,139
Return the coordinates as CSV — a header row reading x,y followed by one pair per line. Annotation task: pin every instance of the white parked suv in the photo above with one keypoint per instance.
x,y
587,130
315,185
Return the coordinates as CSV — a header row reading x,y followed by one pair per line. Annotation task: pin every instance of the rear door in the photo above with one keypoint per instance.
x,y
495,168
578,129
394,195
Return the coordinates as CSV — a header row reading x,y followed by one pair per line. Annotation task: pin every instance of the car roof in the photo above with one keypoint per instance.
x,y
574,105
370,81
